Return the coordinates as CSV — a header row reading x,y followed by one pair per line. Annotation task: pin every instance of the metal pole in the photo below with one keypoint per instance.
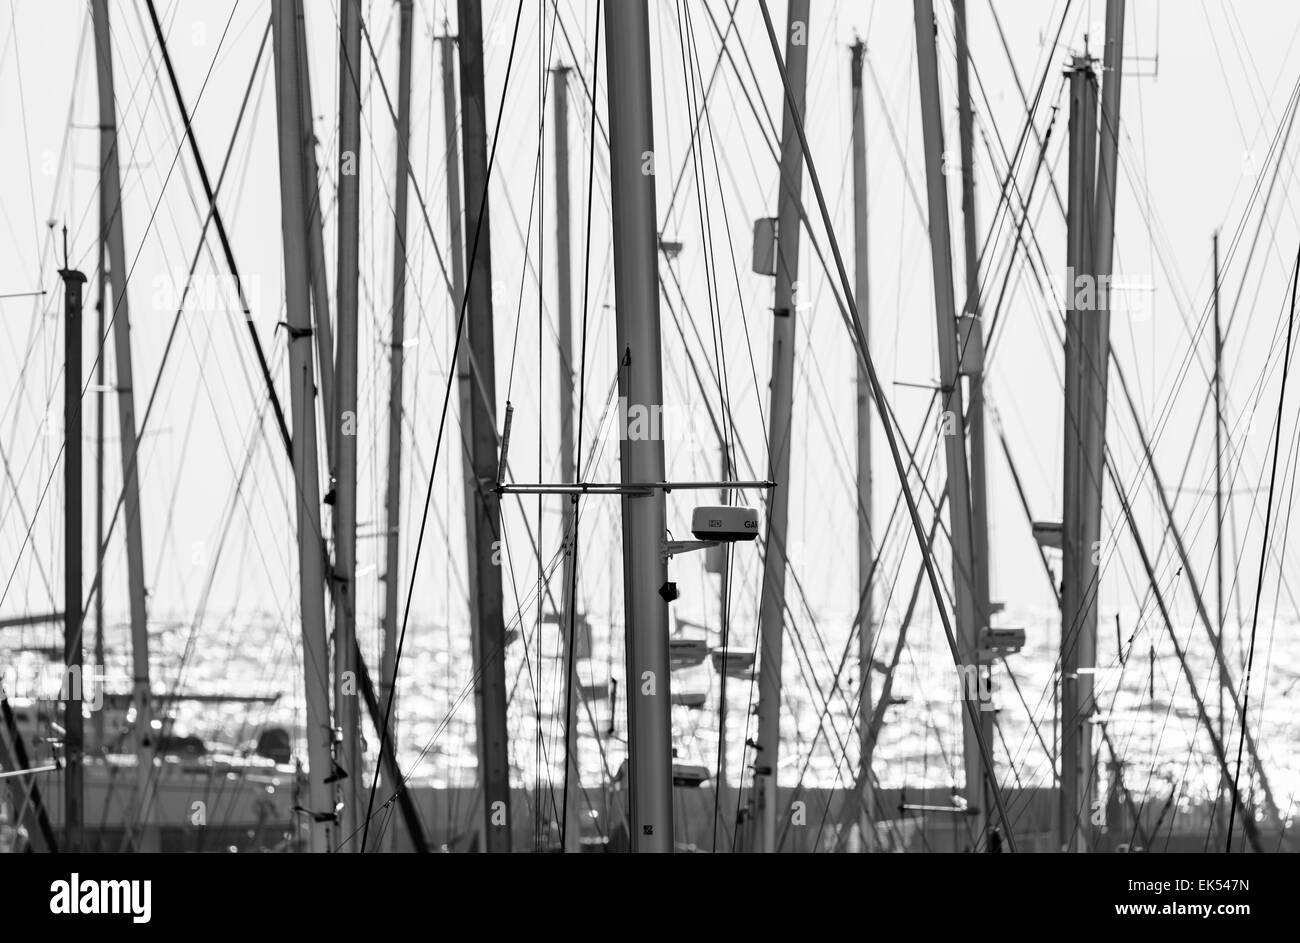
x,y
464,375
1082,492
320,298
971,357
483,505
302,391
724,624
952,410
110,215
1218,500
346,706
772,604
98,719
640,381
862,294
568,474
73,742
396,359
1108,156
1094,162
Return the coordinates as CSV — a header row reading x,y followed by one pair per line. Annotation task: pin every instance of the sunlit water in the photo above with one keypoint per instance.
x,y
1151,726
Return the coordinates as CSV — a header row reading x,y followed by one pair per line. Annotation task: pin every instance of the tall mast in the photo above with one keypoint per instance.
x,y
73,738
971,361
862,294
1081,520
483,505
346,707
464,374
110,215
1108,160
568,614
98,719
320,297
302,392
1090,247
1218,489
640,382
724,620
396,358
772,604
952,412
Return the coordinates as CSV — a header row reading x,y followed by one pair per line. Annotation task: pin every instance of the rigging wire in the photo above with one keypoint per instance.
x,y
442,422
582,401
1259,587
879,396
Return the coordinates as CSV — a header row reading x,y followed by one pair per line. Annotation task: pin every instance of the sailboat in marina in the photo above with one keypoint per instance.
x,y
713,571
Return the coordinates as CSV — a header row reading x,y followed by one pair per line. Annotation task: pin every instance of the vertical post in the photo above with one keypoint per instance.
x,y
344,420
396,360
1103,235
1093,178
484,505
971,360
568,473
320,812
320,297
456,241
862,294
1108,156
1219,610
464,376
772,603
952,411
110,216
98,719
1082,491
724,619
73,774
640,382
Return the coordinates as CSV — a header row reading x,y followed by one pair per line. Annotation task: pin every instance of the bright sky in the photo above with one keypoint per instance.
x,y
1206,86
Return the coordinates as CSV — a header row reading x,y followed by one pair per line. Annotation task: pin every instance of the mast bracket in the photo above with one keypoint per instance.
x,y
672,547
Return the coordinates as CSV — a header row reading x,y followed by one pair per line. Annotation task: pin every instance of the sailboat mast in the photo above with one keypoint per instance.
x,y
73,725
862,294
483,507
464,374
302,391
971,360
346,707
720,555
640,382
1082,493
1218,471
396,358
1090,251
320,299
772,604
952,412
568,474
1220,609
98,719
110,216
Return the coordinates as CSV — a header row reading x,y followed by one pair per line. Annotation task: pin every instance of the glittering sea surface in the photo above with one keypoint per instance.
x,y
1149,713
